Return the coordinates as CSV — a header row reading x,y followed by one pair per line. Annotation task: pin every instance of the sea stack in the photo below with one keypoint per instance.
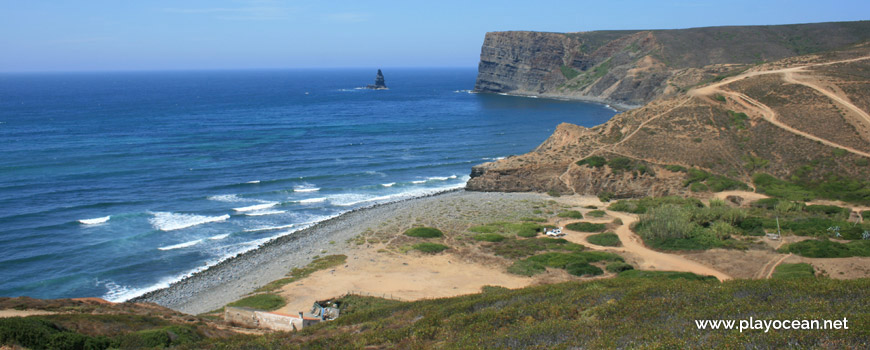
x,y
379,82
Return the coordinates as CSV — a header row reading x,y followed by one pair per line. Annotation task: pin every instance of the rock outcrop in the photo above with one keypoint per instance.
x,y
632,68
803,118
379,82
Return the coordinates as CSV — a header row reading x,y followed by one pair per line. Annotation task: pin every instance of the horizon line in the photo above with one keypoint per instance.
x,y
157,70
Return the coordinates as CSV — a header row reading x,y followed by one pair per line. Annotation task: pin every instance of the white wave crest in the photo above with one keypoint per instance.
x,y
181,245
312,200
351,199
262,206
166,221
388,184
305,188
253,182
269,228
265,212
95,221
219,237
418,182
229,198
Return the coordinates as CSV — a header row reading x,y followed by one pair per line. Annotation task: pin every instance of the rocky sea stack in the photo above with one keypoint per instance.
x,y
379,82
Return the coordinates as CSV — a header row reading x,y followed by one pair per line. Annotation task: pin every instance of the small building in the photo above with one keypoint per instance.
x,y
253,318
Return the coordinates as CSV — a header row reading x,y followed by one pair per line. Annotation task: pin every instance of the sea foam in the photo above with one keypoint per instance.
x,y
166,221
95,221
181,245
312,200
257,206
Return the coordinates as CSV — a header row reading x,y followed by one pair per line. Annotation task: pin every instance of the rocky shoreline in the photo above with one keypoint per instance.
x,y
237,276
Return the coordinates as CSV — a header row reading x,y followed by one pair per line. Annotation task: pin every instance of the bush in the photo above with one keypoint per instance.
x,y
554,193
489,237
571,214
585,227
424,232
515,248
640,206
618,266
608,239
300,273
583,269
526,268
676,168
828,249
770,185
698,187
265,301
605,196
596,213
665,274
620,164
790,271
828,210
593,161
427,247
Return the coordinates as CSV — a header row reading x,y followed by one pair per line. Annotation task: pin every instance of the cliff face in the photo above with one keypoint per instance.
x,y
632,68
804,117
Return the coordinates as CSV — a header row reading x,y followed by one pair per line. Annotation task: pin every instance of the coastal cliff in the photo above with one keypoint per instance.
x,y
801,121
632,68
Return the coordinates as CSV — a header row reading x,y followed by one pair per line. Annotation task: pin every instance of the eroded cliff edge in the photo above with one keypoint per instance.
x,y
632,68
803,118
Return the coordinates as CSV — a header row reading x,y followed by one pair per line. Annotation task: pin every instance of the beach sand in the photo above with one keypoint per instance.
x,y
376,250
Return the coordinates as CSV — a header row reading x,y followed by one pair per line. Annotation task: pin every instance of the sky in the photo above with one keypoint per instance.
x,y
97,35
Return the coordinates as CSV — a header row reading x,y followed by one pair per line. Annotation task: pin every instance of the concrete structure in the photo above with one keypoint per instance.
x,y
253,318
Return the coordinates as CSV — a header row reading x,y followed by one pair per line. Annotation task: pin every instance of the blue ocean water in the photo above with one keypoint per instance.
x,y
114,184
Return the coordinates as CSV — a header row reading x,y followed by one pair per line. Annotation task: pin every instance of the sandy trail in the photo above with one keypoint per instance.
x,y
769,114
648,259
23,313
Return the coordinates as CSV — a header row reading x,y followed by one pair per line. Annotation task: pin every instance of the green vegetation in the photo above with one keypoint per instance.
x,y
593,161
638,309
605,196
523,229
804,189
428,247
264,301
489,237
676,168
738,119
665,275
573,214
687,227
608,239
576,263
424,232
828,249
554,193
790,271
296,274
699,181
618,266
640,206
585,227
568,72
48,332
521,248
596,213
719,98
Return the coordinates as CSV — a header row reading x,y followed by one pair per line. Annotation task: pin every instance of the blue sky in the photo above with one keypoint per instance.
x,y
67,35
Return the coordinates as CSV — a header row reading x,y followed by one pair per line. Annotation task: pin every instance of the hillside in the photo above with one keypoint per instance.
x,y
632,68
802,119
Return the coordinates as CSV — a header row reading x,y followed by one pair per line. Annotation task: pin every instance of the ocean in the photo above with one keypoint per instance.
x,y
114,184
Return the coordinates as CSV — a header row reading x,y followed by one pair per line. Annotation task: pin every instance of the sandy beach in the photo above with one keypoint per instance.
x,y
236,277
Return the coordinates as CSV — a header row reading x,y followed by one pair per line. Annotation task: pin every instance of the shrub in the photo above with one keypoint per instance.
x,y
696,175
585,227
427,247
571,214
596,213
526,268
300,273
738,119
489,237
620,164
583,269
424,232
618,266
828,210
605,196
768,184
790,271
568,72
554,193
640,206
264,301
765,203
593,161
828,249
676,168
608,239
665,274
719,98
698,187
515,248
